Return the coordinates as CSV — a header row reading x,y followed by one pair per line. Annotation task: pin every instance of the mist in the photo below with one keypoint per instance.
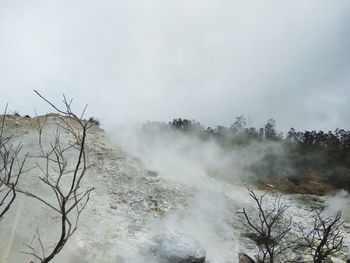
x,y
188,159
217,177
137,61
195,165
152,183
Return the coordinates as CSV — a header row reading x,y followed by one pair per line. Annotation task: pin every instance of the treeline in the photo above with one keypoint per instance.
x,y
311,161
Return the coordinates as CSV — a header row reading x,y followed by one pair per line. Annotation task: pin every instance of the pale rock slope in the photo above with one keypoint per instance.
x,y
132,208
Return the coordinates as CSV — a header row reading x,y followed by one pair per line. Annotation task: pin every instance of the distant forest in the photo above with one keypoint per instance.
x,y
319,160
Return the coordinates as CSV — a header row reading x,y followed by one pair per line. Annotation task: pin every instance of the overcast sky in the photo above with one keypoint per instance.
x,y
137,60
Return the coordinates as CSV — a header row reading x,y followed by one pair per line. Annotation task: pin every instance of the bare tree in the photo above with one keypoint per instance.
x,y
269,228
10,168
325,238
63,166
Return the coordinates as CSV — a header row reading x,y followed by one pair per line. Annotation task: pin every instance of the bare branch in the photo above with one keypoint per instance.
x,y
269,228
9,173
325,238
70,198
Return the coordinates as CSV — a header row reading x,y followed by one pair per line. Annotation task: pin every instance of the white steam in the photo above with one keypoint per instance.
x,y
340,201
196,191
212,175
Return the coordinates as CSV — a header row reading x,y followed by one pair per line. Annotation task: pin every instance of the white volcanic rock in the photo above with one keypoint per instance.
x,y
130,208
174,247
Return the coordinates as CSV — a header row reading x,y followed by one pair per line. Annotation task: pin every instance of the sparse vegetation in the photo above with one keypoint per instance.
x,y
310,161
15,113
71,198
94,121
11,168
325,237
269,230
63,166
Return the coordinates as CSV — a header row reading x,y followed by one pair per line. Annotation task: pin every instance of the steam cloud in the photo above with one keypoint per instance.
x,y
204,59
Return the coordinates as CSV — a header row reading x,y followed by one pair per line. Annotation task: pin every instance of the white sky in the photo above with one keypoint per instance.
x,y
212,60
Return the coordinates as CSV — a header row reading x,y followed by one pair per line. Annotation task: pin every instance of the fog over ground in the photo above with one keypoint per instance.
x,y
159,59
137,60
194,183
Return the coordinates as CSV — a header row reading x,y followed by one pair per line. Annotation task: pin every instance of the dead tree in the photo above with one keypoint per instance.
x,y
325,238
10,168
269,228
63,167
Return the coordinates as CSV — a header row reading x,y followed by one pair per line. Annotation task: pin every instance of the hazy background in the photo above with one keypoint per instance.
x,y
211,60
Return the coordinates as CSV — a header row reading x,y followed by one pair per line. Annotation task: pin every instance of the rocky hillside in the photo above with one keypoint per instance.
x,y
136,213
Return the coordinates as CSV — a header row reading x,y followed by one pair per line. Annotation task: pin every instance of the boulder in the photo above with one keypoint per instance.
x,y
244,258
178,248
